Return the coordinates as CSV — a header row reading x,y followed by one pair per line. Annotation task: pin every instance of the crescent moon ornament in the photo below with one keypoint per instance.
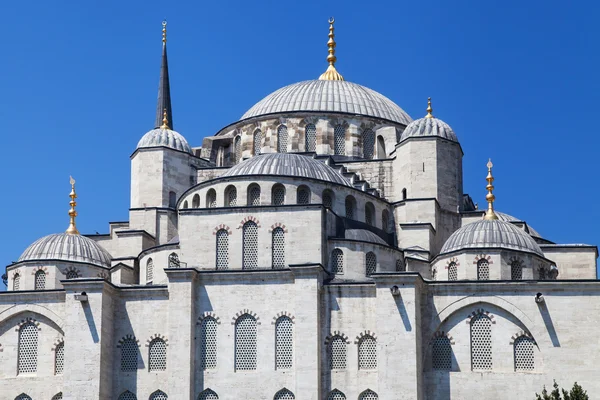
x,y
331,20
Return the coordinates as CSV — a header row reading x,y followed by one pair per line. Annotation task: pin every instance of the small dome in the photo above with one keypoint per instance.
x,y
364,236
491,234
66,247
429,127
166,138
286,164
329,96
509,218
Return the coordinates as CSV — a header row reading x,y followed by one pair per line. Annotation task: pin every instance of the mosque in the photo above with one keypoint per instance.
x,y
319,248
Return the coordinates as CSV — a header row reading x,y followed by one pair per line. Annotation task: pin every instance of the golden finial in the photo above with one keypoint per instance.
x,y
429,109
164,31
331,73
490,214
165,124
72,229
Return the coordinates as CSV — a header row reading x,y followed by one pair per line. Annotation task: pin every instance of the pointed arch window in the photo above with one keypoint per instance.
x,y
310,137
59,358
400,266
385,220
230,196
524,355
278,248
328,198
237,149
452,271
369,213
284,394
28,348
16,281
481,343
370,263
303,195
158,395
127,395
250,245
149,270
208,343
441,353
222,238
245,343
254,195
208,394
516,270
483,270
174,260
129,355
196,201
157,360
367,353
282,139
284,343
22,396
257,142
40,280
336,395
278,195
58,396
350,207
368,395
211,198
337,261
339,138
337,353
72,274
368,139
381,148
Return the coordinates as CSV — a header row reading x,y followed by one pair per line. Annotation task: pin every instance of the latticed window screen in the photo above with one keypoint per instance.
x,y
254,196
257,142
368,395
370,263
58,396
483,270
149,270
349,208
337,261
337,353
127,395
441,353
385,220
208,343
284,343
278,195
339,138
481,343
16,282
129,355
367,353
278,247
211,199
23,397
40,280
173,260
231,197
158,395
59,358
452,271
400,267
157,360
369,213
282,139
310,137
222,238
72,274
327,199
208,395
303,196
516,271
336,395
524,359
196,201
368,139
284,394
28,348
250,245
245,343
237,146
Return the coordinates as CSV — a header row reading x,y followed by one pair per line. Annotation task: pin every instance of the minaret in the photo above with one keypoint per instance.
x,y
164,89
490,214
72,229
331,73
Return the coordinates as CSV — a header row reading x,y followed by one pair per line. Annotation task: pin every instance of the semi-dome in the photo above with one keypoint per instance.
x,y
286,164
429,126
67,247
329,96
165,138
491,234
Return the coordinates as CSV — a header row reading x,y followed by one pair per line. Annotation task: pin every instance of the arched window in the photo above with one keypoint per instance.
x,y
149,270
174,260
284,343
381,148
481,343
282,139
257,141
385,220
367,353
452,271
339,138
278,195
172,199
516,271
368,395
310,137
196,201
441,353
284,394
127,395
368,141
57,396
59,358
208,394
303,195
400,266
336,395
350,207
337,261
157,355
523,349
404,194
185,204
22,396
369,213
40,280
254,195
370,263
230,196
211,199
337,353
278,247
16,281
72,274
208,343
327,198
483,270
222,238
237,149
28,348
158,395
250,245
129,355
542,274
245,343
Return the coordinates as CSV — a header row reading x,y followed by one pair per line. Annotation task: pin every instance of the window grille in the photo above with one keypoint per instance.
x,y
336,395
516,271
284,394
327,199
371,263
185,204
129,355
337,353
303,196
22,397
59,358
368,139
337,261
208,395
369,211
149,270
158,395
452,271
16,282
196,201
481,343
231,197
524,359
157,355
40,280
278,195
58,396
238,149
72,274
278,247
349,207
254,196
28,348
441,353
127,395
211,199
173,260
250,245
257,142
368,395
400,267
245,343
542,274
208,343
282,139
284,342
310,137
367,353
483,270
339,137
222,249
385,220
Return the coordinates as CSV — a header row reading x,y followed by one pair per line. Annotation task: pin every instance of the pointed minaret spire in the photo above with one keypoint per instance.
x,y
164,90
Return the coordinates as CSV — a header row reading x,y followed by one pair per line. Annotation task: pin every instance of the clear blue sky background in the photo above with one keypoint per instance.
x,y
516,80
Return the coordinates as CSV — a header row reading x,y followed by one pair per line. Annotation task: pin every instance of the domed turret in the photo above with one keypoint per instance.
x,y
429,126
163,136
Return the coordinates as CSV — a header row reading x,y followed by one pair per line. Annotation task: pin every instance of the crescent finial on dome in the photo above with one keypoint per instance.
x,y
72,229
490,214
331,73
165,120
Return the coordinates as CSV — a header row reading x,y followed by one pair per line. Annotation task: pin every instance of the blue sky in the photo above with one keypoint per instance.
x,y
516,80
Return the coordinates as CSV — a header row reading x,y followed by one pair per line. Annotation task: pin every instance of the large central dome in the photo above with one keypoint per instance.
x,y
329,96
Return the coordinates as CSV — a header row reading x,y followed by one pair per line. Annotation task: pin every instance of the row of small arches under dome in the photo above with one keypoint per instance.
x,y
23,396
40,279
483,271
337,263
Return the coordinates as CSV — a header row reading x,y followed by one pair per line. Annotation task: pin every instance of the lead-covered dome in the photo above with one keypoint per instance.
x,y
160,137
67,247
285,164
329,96
429,126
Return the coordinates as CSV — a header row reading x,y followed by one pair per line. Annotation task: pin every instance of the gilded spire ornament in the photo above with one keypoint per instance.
x,y
331,73
164,88
490,214
429,109
164,31
72,229
165,121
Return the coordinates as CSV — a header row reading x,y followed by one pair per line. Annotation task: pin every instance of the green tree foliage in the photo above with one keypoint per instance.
x,y
576,393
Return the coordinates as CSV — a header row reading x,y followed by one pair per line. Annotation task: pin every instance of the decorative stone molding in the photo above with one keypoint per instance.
x,y
483,257
27,321
364,335
220,227
72,269
278,225
335,334
126,337
440,334
308,120
57,342
519,334
157,336
452,260
248,218
208,314
36,269
516,259
478,312
283,314
104,276
16,272
243,312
